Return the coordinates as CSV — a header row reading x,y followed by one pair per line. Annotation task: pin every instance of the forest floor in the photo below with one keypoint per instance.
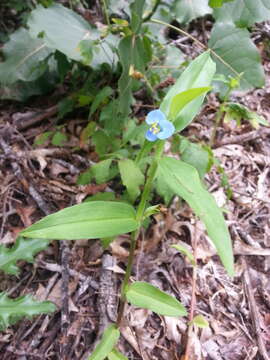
x,y
83,280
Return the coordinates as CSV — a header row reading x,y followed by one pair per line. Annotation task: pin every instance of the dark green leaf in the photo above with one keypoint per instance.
x,y
23,56
102,95
90,220
149,297
62,29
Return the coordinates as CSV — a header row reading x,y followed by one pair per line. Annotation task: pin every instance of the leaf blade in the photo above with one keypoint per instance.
x,y
12,310
184,180
107,342
90,220
149,297
199,73
180,100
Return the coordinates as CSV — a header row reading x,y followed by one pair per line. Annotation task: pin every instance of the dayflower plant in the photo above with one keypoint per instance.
x,y
160,127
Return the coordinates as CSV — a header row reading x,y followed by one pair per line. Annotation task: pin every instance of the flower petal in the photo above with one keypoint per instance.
x,y
150,136
155,116
167,130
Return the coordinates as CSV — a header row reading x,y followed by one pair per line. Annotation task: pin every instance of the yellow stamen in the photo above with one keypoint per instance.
x,y
155,129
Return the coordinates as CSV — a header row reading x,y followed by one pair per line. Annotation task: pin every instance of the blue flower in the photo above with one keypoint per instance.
x,y
160,127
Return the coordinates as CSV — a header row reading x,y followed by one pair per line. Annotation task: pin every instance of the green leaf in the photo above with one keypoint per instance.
x,y
62,29
116,355
136,52
186,252
132,177
198,74
90,220
12,310
244,13
163,189
136,15
187,10
200,321
149,297
235,47
179,101
107,343
102,95
198,157
23,57
101,171
59,139
184,180
24,249
217,3
238,112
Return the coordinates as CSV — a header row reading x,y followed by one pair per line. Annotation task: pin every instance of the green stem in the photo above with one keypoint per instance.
x,y
218,117
139,216
106,12
198,42
151,13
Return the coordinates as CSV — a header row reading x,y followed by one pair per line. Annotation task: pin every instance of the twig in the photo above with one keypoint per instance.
x,y
193,295
23,124
57,268
65,321
198,42
151,13
106,293
239,139
255,315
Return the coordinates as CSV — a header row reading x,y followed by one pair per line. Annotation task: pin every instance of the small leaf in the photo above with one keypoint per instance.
x,y
59,139
102,95
186,252
116,355
197,156
184,180
151,210
200,321
132,177
149,297
90,220
101,171
180,100
107,343
24,249
12,310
